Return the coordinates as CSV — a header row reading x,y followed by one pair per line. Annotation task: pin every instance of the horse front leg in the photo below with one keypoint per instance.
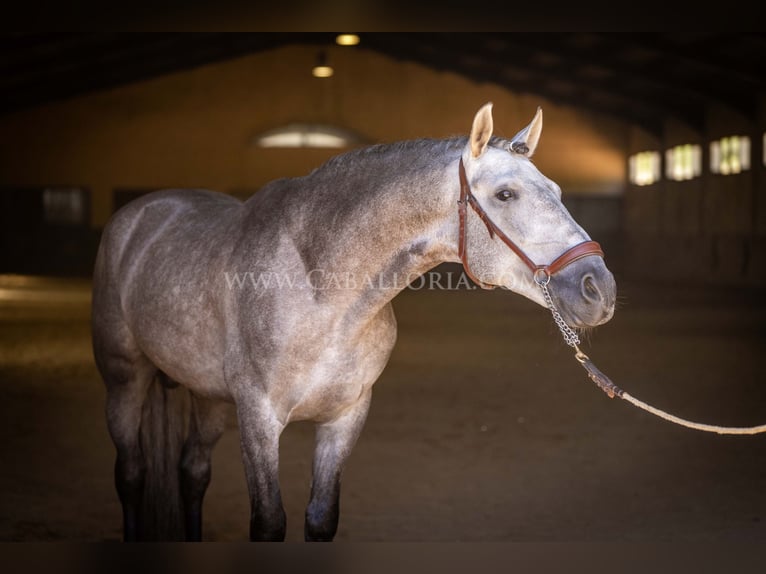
x,y
259,439
334,441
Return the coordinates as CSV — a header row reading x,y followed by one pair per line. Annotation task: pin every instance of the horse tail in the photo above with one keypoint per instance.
x,y
164,426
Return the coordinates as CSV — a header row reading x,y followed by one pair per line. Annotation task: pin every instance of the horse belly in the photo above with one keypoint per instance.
x,y
193,363
183,341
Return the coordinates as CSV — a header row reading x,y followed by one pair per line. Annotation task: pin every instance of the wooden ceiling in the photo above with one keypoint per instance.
x,y
639,78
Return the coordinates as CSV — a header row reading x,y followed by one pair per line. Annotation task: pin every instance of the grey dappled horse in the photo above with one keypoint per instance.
x,y
310,328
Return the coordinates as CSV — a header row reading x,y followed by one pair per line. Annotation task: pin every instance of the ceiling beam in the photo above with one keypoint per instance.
x,y
639,78
517,74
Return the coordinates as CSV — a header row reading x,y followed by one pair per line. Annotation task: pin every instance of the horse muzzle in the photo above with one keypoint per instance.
x,y
585,293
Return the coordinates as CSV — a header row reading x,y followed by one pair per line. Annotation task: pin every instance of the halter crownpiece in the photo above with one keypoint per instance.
x,y
542,273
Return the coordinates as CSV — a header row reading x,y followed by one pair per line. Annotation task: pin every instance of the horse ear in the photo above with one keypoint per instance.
x,y
481,130
525,142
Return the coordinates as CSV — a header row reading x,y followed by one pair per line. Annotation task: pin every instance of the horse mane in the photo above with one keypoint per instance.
x,y
430,148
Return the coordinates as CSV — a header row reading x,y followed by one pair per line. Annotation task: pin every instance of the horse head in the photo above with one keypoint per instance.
x,y
521,230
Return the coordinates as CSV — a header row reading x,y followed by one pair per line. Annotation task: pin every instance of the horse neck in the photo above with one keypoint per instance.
x,y
381,218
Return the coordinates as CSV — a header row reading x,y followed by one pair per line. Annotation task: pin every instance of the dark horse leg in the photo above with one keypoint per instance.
x,y
259,438
206,425
334,441
127,382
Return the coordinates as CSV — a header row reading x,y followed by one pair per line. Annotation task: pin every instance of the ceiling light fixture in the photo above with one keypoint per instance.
x,y
347,39
303,135
322,69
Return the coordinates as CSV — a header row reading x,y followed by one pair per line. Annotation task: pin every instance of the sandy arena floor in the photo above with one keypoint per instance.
x,y
482,427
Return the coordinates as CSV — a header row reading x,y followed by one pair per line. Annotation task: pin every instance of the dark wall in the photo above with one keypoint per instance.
x,y
601,217
710,229
46,231
700,230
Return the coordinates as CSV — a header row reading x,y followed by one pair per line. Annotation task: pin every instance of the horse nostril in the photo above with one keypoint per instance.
x,y
589,289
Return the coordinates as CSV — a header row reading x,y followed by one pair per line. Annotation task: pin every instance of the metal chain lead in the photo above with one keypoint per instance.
x,y
570,337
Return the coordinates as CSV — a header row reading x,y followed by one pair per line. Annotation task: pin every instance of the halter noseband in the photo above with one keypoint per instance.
x,y
542,273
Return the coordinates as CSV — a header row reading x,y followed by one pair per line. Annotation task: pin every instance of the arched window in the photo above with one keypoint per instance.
x,y
299,135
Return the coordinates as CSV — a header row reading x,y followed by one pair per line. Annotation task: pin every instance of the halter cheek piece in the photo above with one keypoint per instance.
x,y
542,273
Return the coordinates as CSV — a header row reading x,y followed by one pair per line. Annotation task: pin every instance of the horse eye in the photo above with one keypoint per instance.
x,y
506,194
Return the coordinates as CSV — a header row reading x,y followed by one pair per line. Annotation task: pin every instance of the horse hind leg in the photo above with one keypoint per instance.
x,y
147,424
127,381
206,425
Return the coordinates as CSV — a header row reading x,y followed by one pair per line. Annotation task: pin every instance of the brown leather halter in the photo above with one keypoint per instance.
x,y
542,273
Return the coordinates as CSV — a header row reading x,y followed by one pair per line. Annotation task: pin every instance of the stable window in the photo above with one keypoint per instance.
x,y
65,206
683,162
730,155
644,168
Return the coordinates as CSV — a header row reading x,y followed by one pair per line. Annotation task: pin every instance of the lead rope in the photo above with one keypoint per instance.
x,y
605,384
